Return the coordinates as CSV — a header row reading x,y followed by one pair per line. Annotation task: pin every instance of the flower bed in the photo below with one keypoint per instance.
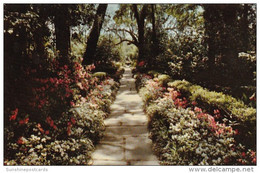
x,y
241,116
65,120
183,133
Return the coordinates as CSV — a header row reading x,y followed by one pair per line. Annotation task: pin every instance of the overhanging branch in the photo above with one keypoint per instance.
x,y
131,33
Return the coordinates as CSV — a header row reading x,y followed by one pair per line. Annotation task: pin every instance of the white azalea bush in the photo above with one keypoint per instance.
x,y
180,138
42,150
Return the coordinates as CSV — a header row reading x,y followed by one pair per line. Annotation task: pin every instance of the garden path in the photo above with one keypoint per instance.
x,y
125,141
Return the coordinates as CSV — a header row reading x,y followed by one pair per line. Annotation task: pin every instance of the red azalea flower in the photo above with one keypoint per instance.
x,y
47,132
194,103
20,141
52,80
216,111
202,115
252,154
236,132
72,120
48,119
21,122
51,123
72,103
13,117
230,130
141,63
226,160
41,130
68,130
219,131
254,160
243,154
240,160
196,109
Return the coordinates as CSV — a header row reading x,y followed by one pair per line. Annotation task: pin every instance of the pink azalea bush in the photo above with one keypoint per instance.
x,y
65,119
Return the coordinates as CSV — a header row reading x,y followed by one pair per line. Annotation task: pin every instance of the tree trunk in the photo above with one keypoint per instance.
x,y
210,16
94,35
62,32
155,46
230,30
244,29
140,24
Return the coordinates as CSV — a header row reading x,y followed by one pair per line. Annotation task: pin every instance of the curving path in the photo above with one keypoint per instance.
x,y
125,141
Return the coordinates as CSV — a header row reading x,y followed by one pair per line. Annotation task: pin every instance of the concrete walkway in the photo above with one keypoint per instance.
x,y
125,141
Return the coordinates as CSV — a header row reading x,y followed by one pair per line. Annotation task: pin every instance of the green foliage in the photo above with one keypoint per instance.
x,y
124,15
100,75
141,80
153,73
230,104
187,15
163,79
77,48
88,122
151,91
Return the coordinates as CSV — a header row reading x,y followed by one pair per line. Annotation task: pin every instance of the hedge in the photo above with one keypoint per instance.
x,y
226,102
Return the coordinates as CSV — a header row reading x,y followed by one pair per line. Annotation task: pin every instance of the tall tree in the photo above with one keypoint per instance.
x,y
62,32
94,34
140,16
155,44
221,29
244,28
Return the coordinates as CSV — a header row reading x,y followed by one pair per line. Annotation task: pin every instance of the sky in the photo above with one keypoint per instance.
x,y
112,8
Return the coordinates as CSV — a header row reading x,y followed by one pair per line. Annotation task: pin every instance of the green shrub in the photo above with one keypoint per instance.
x,y
163,79
153,73
151,91
141,80
88,122
146,95
226,102
71,152
100,75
